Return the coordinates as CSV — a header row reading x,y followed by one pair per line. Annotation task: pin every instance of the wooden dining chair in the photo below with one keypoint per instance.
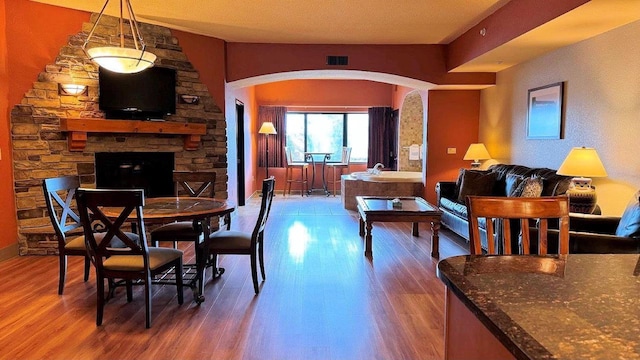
x,y
342,166
241,243
59,196
193,184
290,167
117,254
494,215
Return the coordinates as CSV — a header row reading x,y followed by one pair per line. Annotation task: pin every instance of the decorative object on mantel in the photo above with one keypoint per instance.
x,y
267,129
190,99
72,89
476,152
583,163
121,59
544,115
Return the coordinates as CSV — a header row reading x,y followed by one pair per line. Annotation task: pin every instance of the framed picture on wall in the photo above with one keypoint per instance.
x,y
545,110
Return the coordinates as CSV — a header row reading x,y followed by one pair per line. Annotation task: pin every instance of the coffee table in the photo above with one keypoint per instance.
x,y
413,209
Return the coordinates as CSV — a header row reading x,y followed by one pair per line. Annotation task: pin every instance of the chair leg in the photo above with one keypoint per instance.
x,y
178,271
87,266
100,299
254,272
147,300
261,258
129,290
63,273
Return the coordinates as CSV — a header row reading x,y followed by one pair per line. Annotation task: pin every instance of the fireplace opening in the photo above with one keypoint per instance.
x,y
151,171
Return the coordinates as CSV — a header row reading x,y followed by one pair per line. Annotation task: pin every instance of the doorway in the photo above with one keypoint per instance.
x,y
240,151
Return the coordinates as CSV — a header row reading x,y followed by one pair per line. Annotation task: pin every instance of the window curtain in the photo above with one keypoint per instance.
x,y
276,115
383,135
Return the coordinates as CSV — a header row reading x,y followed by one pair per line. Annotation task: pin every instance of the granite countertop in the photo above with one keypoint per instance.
x,y
553,307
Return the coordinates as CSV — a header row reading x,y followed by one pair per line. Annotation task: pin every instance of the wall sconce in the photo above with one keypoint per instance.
x,y
190,99
72,89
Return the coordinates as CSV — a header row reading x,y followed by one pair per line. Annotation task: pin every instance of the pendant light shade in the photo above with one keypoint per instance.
x,y
121,59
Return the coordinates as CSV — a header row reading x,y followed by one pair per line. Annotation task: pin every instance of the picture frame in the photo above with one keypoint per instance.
x,y
545,110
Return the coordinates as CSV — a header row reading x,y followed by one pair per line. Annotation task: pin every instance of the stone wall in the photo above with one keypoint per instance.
x,y
40,149
410,131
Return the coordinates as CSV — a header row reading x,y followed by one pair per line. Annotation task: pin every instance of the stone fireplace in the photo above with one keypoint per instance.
x,y
44,146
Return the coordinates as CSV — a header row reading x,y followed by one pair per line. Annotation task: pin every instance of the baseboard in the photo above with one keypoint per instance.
x,y
9,252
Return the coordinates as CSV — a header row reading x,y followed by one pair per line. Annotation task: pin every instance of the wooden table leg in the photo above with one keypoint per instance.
x,y
435,238
415,229
361,232
367,240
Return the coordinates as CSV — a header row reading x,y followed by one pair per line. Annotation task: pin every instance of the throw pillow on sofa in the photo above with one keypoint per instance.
x,y
629,225
529,187
474,182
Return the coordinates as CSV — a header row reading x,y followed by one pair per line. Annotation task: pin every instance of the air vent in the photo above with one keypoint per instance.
x,y
337,60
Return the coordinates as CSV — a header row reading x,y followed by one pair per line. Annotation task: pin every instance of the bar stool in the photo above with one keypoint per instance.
x,y
342,166
290,166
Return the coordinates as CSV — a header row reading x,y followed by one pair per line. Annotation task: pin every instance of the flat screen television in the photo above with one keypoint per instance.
x,y
149,94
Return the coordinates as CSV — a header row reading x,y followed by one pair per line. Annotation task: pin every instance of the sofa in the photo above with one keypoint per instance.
x,y
595,234
498,180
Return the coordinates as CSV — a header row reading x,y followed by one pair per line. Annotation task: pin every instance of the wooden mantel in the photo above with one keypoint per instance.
x,y
78,129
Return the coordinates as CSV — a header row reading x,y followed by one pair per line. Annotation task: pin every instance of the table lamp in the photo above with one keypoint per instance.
x,y
582,163
476,152
267,129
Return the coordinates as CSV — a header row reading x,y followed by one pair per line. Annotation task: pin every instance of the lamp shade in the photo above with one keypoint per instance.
x,y
476,152
584,162
267,128
121,60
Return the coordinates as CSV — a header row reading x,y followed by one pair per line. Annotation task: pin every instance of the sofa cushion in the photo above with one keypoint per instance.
x,y
629,225
479,183
454,207
511,184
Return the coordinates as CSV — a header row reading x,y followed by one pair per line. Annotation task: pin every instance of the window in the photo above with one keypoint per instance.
x,y
328,132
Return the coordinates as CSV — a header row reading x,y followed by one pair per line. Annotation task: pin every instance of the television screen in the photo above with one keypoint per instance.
x,y
150,94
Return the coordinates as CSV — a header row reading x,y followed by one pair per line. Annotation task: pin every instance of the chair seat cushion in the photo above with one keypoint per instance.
x,y
77,243
116,242
175,230
229,239
157,258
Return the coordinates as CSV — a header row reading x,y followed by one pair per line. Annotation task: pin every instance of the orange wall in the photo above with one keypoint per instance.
x,y
452,121
31,43
207,55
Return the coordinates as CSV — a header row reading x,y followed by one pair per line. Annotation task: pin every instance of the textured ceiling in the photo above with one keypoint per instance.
x,y
370,22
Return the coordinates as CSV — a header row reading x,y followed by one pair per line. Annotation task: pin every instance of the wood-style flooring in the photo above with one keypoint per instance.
x,y
323,299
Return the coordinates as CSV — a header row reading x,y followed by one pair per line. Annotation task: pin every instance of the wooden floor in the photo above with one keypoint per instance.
x,y
322,298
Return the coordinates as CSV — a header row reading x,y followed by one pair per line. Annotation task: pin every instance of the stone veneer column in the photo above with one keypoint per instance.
x,y
40,149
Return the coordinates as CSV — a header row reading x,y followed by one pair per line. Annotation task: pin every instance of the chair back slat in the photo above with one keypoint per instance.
x,y
195,183
59,194
498,211
268,188
114,240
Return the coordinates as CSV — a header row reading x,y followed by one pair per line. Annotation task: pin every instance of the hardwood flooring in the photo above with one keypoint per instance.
x,y
323,299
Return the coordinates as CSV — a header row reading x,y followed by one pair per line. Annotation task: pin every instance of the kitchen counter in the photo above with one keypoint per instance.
x,y
552,307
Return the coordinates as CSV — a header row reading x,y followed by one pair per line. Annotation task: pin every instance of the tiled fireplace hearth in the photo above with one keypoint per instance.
x,y
41,147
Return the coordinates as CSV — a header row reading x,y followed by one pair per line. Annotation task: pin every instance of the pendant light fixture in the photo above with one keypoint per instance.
x,y
121,59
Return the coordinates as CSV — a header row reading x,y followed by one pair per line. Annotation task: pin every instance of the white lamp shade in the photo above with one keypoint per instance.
x,y
583,162
122,60
267,128
476,152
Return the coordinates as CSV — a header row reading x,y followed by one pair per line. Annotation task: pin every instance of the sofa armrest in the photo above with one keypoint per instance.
x,y
592,243
445,189
593,223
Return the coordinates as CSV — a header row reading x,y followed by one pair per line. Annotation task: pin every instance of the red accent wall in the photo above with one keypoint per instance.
x,y
31,43
207,55
452,121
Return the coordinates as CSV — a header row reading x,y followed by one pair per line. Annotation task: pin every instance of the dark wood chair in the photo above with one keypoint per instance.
x,y
495,215
117,254
290,167
241,243
59,195
342,166
195,184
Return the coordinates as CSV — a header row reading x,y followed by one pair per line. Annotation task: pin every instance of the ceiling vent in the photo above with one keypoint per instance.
x,y
337,60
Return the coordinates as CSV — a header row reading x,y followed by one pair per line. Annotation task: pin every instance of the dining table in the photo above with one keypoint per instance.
x,y
199,210
310,156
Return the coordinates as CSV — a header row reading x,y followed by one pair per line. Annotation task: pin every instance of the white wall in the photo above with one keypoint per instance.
x,y
602,104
